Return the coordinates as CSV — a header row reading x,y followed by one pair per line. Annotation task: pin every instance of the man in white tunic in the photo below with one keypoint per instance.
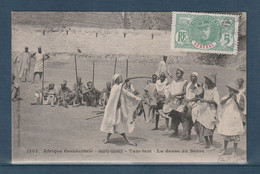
x,y
39,58
25,64
163,68
120,111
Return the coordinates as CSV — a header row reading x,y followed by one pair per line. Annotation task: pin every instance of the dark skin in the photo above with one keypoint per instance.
x,y
194,80
162,78
154,78
165,59
233,95
240,83
179,75
118,81
210,86
40,51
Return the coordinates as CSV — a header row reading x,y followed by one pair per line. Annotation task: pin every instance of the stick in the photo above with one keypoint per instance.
x,y
93,77
115,66
42,78
43,73
94,117
76,70
126,68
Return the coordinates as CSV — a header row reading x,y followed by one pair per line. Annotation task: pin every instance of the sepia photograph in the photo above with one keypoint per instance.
x,y
129,87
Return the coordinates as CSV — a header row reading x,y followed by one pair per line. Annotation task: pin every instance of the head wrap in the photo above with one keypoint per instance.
x,y
195,74
180,70
115,77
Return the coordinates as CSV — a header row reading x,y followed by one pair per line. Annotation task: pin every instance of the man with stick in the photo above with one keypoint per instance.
x,y
39,57
120,112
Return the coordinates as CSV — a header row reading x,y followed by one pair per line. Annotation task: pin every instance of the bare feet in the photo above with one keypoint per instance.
x,y
105,141
211,148
132,143
222,153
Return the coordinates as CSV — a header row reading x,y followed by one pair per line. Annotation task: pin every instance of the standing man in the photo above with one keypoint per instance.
x,y
193,94
120,112
25,63
39,58
163,68
150,98
160,88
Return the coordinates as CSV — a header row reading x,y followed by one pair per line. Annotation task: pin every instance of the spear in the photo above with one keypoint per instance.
x,y
126,68
76,69
93,77
115,66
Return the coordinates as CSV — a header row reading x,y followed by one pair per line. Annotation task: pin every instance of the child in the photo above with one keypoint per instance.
x,y
207,110
230,118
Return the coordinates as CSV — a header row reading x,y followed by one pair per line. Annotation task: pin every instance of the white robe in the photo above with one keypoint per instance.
x,y
230,118
120,119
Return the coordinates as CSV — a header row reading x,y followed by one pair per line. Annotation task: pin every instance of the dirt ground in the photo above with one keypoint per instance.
x,y
56,134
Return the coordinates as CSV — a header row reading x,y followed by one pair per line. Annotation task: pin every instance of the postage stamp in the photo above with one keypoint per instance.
x,y
204,32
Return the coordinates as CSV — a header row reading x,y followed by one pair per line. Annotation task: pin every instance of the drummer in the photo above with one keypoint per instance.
x,y
194,92
160,88
174,97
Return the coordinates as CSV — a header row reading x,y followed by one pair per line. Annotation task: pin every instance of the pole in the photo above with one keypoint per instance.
x,y
42,79
126,68
76,70
42,73
93,77
115,66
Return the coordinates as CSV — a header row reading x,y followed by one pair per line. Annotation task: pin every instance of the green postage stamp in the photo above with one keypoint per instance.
x,y
204,32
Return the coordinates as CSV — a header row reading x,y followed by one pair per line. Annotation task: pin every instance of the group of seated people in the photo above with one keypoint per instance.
x,y
79,95
194,104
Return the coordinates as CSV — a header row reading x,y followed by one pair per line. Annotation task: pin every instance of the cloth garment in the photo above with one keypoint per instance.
x,y
66,94
120,111
39,62
206,112
163,68
231,117
161,87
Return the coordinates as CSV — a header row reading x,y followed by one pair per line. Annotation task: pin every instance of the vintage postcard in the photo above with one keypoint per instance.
x,y
129,87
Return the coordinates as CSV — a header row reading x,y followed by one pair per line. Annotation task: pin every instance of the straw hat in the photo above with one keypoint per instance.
x,y
233,86
212,77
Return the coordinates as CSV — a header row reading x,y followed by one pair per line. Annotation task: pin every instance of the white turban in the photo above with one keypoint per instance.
x,y
115,77
195,74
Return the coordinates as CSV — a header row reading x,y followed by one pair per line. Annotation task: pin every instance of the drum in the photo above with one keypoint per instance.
x,y
172,105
